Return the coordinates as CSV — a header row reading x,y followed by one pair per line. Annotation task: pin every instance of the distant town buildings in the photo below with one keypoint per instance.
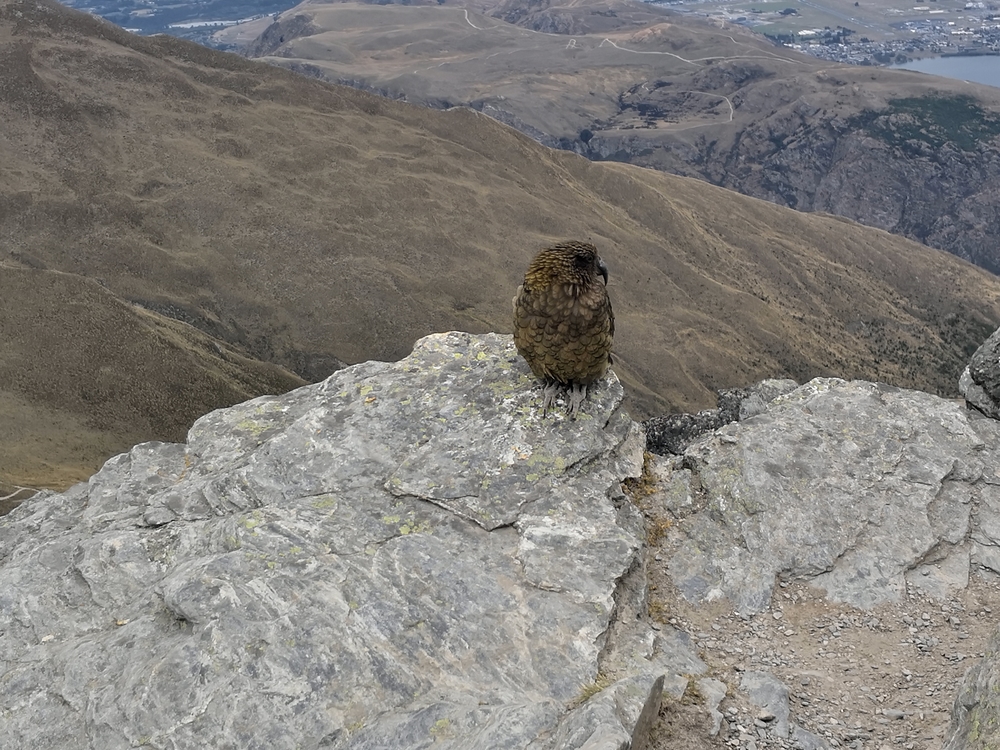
x,y
976,31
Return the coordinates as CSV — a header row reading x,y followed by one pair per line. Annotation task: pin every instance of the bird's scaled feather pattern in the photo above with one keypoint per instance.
x,y
563,321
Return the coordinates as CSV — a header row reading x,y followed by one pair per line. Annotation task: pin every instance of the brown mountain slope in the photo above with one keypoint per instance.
x,y
84,375
309,224
913,154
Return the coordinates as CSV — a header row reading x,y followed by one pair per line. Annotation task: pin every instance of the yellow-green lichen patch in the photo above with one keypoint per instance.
x,y
251,522
326,502
545,465
409,525
441,728
253,427
424,527
257,648
503,389
466,410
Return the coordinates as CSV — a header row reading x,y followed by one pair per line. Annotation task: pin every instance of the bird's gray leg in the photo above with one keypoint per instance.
x,y
577,396
552,389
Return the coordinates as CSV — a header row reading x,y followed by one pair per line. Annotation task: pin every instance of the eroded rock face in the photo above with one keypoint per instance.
x,y
980,383
404,555
673,433
975,715
856,487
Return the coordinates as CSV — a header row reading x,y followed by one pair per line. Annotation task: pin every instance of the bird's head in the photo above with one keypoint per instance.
x,y
574,263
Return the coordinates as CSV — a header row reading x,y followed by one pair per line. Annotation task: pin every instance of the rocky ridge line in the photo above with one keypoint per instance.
x,y
409,555
404,554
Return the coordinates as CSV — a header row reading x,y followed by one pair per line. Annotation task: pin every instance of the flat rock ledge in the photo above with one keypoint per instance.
x,y
405,555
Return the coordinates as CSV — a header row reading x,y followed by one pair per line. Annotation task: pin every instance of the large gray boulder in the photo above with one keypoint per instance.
x,y
980,382
403,556
859,488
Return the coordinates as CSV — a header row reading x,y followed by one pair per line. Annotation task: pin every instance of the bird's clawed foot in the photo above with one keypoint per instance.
x,y
576,393
576,397
550,394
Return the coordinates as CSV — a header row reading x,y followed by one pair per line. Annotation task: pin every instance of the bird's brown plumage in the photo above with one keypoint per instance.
x,y
563,322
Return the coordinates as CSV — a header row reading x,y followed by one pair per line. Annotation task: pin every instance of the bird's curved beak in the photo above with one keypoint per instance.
x,y
603,269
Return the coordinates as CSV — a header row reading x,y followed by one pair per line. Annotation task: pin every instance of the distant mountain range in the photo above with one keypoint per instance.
x,y
618,80
183,228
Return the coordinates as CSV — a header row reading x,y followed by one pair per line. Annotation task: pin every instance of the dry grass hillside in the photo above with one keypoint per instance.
x,y
307,225
84,375
616,67
914,154
465,52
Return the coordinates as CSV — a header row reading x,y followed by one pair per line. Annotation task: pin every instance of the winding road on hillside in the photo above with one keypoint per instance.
x,y
574,44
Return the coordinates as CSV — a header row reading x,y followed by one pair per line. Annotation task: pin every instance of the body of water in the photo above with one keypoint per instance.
x,y
980,68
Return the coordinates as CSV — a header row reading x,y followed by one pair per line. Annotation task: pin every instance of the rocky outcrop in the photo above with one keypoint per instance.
x,y
941,193
980,382
280,32
869,493
410,555
404,555
976,712
858,488
673,433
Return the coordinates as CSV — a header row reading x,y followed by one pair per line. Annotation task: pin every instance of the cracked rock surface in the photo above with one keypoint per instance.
x,y
405,555
855,487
